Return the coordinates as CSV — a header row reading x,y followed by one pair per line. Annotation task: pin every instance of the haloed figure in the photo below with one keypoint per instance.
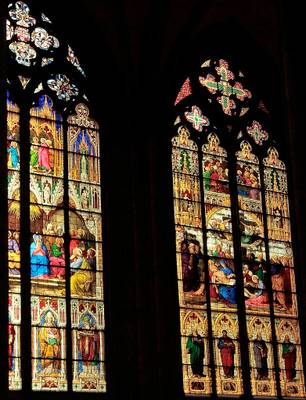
x,y
88,346
195,347
261,357
289,356
227,350
49,344
11,342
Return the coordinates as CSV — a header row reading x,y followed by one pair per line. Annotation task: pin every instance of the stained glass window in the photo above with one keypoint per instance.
x,y
235,265
55,302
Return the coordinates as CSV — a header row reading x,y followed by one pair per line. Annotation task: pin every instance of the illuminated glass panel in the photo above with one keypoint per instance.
x,y
226,88
14,301
47,253
235,267
196,246
221,267
14,348
190,259
48,343
282,276
227,353
184,92
195,351
61,188
88,345
254,271
85,253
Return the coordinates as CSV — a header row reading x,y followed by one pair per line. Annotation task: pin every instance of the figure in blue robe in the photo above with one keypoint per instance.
x,y
227,292
13,155
39,257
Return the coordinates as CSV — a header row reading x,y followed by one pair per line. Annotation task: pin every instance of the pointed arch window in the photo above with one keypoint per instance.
x,y
236,276
54,224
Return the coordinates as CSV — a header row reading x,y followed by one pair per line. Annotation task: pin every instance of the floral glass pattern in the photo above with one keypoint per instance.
x,y
257,132
63,88
223,85
196,118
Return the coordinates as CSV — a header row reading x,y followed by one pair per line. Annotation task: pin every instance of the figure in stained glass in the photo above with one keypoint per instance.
x,y
31,44
11,344
248,181
75,240
195,352
13,253
254,282
192,264
43,155
13,155
82,279
212,270
39,257
47,192
289,356
261,357
215,173
222,281
219,244
34,152
57,258
218,218
260,229
88,345
14,319
195,348
226,280
91,258
226,346
84,198
281,284
49,344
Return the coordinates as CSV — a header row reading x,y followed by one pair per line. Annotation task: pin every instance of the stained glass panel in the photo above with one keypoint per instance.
x,y
261,355
289,353
47,254
64,230
282,276
48,343
235,264
195,352
85,253
190,264
14,348
227,353
14,300
88,345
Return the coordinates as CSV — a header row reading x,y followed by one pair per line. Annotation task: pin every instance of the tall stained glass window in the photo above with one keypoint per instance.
x,y
235,266
55,274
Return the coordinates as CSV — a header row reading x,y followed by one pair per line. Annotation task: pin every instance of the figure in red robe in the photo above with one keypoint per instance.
x,y
44,156
11,341
89,346
289,356
227,350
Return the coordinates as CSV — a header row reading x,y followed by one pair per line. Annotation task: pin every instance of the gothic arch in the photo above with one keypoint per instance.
x,y
234,245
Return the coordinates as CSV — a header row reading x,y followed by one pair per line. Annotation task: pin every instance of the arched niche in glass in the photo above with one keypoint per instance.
x,y
235,266
55,267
